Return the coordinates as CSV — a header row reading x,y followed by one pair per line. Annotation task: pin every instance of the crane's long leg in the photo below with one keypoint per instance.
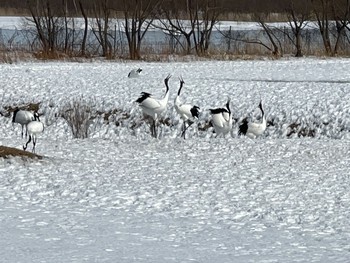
x,y
34,143
185,128
152,124
151,127
25,146
183,134
154,129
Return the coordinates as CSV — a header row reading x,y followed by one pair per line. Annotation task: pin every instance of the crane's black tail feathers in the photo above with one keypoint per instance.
x,y
243,128
195,111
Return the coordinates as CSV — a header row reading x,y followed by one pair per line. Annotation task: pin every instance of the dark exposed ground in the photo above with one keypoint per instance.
x,y
7,152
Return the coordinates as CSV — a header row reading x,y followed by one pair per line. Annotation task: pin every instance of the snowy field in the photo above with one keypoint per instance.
x,y
123,196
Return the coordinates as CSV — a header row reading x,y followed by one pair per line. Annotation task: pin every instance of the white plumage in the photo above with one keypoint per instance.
x,y
22,117
134,73
187,112
34,128
154,107
222,119
253,129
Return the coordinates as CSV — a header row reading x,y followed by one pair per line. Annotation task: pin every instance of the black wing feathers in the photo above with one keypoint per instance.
x,y
144,95
195,111
218,110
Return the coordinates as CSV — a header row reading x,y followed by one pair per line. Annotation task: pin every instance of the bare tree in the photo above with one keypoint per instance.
x,y
66,25
341,14
204,14
102,16
275,42
192,22
298,17
86,24
322,9
138,17
244,37
46,21
68,28
332,20
172,21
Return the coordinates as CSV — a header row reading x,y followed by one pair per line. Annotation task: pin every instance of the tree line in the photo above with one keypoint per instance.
x,y
188,23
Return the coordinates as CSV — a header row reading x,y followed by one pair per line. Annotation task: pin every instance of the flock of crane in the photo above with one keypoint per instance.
x,y
221,118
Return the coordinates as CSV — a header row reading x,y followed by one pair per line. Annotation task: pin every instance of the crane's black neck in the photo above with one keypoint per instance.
x,y
228,107
181,85
166,84
36,116
262,110
14,115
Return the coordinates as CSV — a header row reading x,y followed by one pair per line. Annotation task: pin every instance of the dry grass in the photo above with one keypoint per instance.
x,y
14,12
14,56
7,152
30,107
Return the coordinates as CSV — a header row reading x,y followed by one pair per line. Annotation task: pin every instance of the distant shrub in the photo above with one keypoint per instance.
x,y
78,115
300,131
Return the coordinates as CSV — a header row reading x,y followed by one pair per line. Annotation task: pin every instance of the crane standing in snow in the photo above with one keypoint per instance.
x,y
222,119
22,117
154,107
253,129
187,112
34,128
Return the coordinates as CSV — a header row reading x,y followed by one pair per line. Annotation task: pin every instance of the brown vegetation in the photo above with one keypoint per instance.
x,y
30,107
7,152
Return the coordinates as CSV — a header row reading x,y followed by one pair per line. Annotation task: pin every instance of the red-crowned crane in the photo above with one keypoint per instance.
x,y
22,117
222,119
188,113
35,127
134,73
154,107
253,129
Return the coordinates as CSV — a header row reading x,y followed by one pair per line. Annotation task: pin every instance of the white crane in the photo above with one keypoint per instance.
x,y
154,107
187,112
34,128
222,119
134,73
22,117
253,129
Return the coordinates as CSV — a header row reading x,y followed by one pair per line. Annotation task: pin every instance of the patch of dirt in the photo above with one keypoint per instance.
x,y
7,152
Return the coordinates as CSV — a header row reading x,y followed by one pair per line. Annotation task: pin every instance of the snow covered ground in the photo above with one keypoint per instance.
x,y
122,196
